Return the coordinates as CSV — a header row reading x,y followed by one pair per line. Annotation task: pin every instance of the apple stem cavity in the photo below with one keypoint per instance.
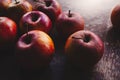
x,y
69,13
16,1
35,17
48,3
87,38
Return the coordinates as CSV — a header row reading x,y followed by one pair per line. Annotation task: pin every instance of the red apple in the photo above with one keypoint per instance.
x,y
3,7
68,23
34,50
8,32
50,7
115,15
84,49
35,20
17,8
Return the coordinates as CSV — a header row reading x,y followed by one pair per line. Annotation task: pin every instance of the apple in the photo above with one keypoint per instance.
x,y
17,8
68,23
115,15
35,20
84,49
3,7
34,2
34,50
51,8
8,32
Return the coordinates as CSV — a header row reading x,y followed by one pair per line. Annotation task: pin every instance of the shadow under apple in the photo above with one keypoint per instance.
x,y
59,41
113,34
41,74
77,73
7,51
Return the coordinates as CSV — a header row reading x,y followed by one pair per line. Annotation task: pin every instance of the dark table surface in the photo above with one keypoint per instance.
x,y
96,14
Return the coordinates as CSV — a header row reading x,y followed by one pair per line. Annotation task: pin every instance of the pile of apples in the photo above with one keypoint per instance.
x,y
26,26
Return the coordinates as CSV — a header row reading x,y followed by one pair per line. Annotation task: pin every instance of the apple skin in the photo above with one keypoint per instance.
x,y
68,23
35,20
34,50
51,8
17,8
115,16
84,49
8,32
34,2
3,7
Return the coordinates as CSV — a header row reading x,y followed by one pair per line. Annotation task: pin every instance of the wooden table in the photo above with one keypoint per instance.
x,y
96,14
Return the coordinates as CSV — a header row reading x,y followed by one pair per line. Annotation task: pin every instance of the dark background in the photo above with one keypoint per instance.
x,y
96,14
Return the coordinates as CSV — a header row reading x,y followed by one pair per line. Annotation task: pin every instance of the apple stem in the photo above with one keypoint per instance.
x,y
86,39
28,36
76,37
16,1
69,13
27,30
36,0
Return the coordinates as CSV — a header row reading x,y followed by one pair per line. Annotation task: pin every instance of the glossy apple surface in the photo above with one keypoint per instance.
x,y
8,32
35,20
50,7
34,50
84,49
3,7
115,15
17,8
68,23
